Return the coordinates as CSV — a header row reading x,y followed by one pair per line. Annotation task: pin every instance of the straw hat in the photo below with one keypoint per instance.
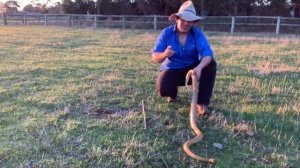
x,y
186,12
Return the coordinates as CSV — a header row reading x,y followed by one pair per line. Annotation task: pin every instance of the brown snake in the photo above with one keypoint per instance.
x,y
193,118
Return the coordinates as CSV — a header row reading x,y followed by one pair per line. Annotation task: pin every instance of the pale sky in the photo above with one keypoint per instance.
x,y
23,3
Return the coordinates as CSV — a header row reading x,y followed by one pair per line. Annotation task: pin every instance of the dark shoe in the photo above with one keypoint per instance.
x,y
203,111
171,100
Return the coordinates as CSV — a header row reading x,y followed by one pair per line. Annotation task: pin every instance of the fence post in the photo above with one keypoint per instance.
x,y
46,20
278,25
69,19
232,24
23,20
155,22
4,19
123,22
95,22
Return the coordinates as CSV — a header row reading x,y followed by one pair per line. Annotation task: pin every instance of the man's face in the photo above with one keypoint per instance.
x,y
184,26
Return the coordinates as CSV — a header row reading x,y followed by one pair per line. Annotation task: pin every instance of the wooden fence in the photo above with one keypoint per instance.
x,y
230,24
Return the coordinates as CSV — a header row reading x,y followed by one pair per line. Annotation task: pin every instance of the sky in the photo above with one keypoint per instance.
x,y
23,3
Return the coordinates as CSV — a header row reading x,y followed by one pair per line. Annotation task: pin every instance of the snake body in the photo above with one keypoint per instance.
x,y
193,119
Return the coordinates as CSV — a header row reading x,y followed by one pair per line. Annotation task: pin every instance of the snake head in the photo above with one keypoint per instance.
x,y
187,77
190,74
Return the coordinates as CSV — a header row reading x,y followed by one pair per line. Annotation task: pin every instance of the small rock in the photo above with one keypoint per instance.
x,y
218,145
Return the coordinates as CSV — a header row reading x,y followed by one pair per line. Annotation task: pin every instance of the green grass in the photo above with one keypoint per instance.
x,y
53,80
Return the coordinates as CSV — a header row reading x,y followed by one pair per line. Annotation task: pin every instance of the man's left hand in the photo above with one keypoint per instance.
x,y
205,61
198,71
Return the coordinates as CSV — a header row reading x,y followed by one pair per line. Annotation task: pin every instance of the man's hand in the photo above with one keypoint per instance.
x,y
198,71
168,52
205,61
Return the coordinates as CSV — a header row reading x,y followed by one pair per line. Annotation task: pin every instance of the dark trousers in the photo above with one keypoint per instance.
x,y
168,81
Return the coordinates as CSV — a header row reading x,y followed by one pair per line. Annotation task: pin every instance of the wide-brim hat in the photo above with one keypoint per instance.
x,y
186,12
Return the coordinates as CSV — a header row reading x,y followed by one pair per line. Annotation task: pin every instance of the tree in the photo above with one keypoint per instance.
x,y
296,7
125,7
30,9
172,6
228,8
42,8
150,7
167,7
79,6
271,8
2,8
35,9
56,9
279,8
68,6
98,2
11,6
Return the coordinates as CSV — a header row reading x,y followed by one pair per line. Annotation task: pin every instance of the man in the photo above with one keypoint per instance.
x,y
182,47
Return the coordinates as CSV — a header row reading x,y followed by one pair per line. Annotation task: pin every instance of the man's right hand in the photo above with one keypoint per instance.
x,y
168,51
159,57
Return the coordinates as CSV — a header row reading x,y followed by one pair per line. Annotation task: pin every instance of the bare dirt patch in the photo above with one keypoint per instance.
x,y
103,113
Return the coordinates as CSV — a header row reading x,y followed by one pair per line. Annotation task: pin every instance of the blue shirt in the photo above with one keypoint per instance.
x,y
195,48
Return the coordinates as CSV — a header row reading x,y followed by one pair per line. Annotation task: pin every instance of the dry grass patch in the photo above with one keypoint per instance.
x,y
265,68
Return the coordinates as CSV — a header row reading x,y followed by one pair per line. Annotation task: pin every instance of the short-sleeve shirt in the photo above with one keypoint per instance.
x,y
195,48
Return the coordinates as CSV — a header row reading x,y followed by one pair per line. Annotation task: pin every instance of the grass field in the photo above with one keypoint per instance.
x,y
73,98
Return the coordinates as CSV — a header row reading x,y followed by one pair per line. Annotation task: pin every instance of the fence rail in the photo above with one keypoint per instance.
x,y
232,24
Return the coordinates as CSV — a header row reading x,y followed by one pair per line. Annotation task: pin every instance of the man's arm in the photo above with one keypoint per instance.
x,y
204,62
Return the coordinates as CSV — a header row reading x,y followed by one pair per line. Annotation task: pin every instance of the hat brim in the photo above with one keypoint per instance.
x,y
185,16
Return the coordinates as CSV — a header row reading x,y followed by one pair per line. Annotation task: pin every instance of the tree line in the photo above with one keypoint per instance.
x,y
284,8
13,7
